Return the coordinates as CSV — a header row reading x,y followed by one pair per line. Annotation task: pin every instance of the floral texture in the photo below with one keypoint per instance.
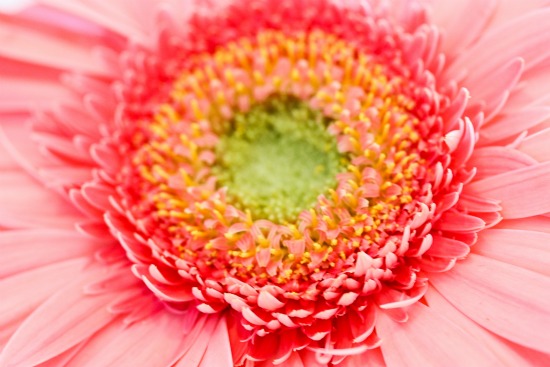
x,y
275,182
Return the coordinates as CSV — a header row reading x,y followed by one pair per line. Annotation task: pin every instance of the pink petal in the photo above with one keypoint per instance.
x,y
157,340
496,345
119,16
39,44
218,352
494,85
429,339
64,320
27,249
526,36
526,249
512,124
64,358
15,138
522,193
510,301
538,223
459,222
491,161
30,87
197,343
371,358
462,21
448,247
537,145
19,299
24,203
477,205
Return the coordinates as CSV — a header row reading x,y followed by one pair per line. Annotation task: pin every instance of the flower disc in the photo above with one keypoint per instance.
x,y
301,175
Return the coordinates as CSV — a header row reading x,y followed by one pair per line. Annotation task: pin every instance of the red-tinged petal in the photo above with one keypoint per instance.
x,y
448,247
362,327
537,146
293,361
157,340
509,301
459,222
408,344
490,342
23,250
268,301
98,195
474,204
64,320
166,292
522,193
527,249
264,348
218,352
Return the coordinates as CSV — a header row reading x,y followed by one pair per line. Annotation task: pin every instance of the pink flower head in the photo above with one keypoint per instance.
x,y
275,183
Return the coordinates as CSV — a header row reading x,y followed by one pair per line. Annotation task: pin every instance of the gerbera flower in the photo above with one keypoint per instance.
x,y
275,182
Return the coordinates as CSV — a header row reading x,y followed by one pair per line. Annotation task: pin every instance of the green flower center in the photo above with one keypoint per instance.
x,y
277,158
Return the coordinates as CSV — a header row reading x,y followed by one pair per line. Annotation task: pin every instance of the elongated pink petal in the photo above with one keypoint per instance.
x,y
31,87
198,344
371,358
19,299
537,146
538,223
448,247
15,138
64,320
522,193
496,345
155,341
408,344
24,203
459,222
40,44
510,301
491,87
132,20
491,161
526,37
527,249
27,249
218,352
463,22
514,123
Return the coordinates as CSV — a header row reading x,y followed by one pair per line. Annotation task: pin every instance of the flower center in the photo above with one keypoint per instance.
x,y
277,159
